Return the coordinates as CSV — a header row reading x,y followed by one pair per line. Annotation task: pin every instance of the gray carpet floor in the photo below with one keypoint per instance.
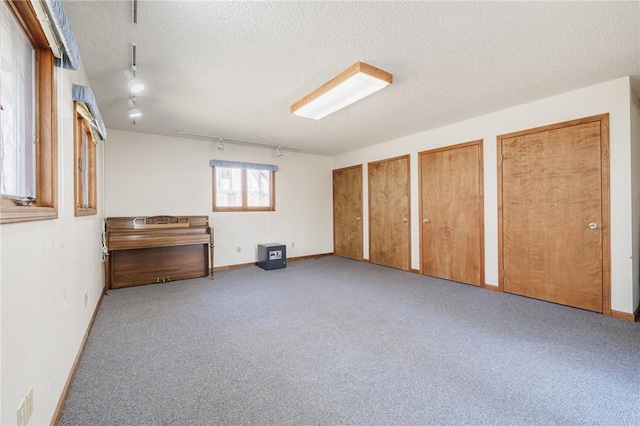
x,y
333,341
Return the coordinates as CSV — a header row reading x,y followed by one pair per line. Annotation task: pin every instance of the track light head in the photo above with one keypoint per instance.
x,y
220,146
278,152
134,112
134,84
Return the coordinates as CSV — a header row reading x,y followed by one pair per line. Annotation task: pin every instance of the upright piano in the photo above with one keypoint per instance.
x,y
155,249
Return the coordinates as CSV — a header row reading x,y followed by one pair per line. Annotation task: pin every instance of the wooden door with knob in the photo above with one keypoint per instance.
x,y
389,214
451,210
553,213
347,212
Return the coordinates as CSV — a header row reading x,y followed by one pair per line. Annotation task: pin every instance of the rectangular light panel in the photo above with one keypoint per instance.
x,y
356,82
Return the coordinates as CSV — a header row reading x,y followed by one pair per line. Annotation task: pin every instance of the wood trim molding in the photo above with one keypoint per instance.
x,y
500,287
342,169
450,147
290,259
414,271
555,126
409,218
12,213
480,143
47,122
625,316
29,20
236,266
74,368
421,214
492,287
606,213
310,256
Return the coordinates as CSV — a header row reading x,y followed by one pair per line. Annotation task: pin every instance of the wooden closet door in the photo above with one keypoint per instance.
x,y
552,213
389,220
347,212
451,207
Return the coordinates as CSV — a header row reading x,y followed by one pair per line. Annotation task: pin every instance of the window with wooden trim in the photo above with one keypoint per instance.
x,y
85,164
28,144
243,189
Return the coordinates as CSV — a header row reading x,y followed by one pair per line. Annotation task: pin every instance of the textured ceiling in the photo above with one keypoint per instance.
x,y
233,69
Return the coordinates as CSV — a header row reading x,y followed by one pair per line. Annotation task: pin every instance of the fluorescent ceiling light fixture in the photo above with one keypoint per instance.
x,y
351,85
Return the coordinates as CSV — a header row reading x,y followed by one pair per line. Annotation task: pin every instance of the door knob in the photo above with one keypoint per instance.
x,y
593,226
404,220
425,220
358,218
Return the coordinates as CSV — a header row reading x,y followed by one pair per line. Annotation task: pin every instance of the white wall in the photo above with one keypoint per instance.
x,y
610,97
155,175
635,183
45,268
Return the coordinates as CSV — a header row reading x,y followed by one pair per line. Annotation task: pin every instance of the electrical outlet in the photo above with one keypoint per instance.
x,y
29,405
293,244
86,298
21,419
238,249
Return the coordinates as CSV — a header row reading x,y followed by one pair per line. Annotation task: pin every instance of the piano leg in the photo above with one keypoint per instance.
x,y
211,246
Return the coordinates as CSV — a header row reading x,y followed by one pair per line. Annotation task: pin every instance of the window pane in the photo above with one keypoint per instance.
x,y
85,170
258,188
17,97
228,187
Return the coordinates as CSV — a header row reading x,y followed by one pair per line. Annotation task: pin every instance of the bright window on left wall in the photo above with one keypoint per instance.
x,y
28,136
18,90
85,163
